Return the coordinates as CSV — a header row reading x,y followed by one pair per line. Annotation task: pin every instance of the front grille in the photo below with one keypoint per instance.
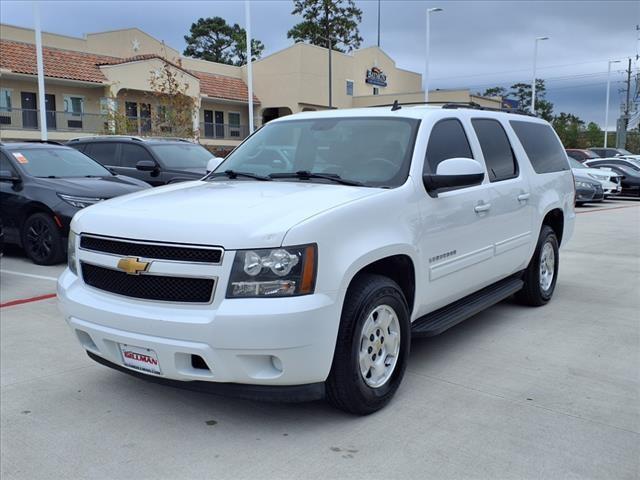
x,y
149,287
151,250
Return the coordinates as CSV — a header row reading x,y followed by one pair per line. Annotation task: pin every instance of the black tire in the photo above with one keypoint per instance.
x,y
533,293
346,387
42,240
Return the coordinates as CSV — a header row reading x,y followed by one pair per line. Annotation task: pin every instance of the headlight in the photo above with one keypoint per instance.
x,y
278,272
583,185
79,202
72,261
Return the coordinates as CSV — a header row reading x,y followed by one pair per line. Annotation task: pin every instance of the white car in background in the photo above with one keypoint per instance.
x,y
610,181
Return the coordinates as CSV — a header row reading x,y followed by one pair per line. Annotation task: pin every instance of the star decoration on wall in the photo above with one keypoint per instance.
x,y
135,44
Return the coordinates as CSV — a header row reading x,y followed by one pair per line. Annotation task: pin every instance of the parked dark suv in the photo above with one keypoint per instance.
x,y
156,161
42,186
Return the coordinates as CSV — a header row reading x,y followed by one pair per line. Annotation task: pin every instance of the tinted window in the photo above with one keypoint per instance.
x,y
447,140
5,164
182,155
58,162
541,146
496,149
131,154
104,152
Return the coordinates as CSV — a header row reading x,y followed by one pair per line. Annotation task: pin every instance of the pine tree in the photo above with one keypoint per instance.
x,y
213,39
327,19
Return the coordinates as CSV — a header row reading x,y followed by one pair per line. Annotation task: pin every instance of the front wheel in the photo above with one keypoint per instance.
x,y
42,240
542,273
372,346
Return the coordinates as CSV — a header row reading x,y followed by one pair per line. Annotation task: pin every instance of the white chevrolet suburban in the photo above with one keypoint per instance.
x,y
302,267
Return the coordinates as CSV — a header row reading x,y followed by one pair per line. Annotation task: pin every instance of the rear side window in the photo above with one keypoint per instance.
x,y
447,140
132,154
541,146
496,149
103,152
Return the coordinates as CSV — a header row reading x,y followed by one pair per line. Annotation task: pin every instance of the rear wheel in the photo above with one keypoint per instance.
x,y
542,273
42,240
372,346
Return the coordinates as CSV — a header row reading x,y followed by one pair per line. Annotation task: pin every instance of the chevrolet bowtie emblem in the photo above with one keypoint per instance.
x,y
132,265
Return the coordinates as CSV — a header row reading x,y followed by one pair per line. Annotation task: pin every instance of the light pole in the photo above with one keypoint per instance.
x,y
425,78
247,17
533,82
606,108
328,40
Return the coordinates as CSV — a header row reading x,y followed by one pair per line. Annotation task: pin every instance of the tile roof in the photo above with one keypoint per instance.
x,y
221,86
138,58
19,57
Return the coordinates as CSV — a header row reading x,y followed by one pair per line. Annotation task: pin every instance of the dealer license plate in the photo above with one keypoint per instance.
x,y
140,358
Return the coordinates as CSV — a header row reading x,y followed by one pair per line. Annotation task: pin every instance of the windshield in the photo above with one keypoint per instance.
x,y
182,155
58,162
373,151
622,151
575,164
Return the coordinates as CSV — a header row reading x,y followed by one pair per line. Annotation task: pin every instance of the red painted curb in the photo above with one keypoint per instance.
x,y
27,300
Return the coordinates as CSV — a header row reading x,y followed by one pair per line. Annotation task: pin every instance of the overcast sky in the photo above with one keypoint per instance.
x,y
474,44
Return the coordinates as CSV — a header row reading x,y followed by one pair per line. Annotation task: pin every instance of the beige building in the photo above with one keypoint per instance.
x,y
89,79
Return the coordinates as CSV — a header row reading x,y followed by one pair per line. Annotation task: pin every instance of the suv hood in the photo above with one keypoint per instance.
x,y
232,214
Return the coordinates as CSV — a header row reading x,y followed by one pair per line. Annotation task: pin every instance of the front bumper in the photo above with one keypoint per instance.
x,y
274,341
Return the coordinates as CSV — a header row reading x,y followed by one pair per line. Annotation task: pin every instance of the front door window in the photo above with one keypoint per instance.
x,y
219,117
29,110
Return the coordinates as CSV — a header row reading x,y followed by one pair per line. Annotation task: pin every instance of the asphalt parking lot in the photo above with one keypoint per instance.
x,y
515,392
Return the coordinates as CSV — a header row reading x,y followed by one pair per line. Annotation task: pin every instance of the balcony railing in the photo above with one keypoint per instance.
x,y
223,131
23,119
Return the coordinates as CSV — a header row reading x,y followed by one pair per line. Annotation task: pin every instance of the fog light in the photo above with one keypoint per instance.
x,y
276,363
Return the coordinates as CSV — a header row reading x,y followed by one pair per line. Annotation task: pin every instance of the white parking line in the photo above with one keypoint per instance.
x,y
30,275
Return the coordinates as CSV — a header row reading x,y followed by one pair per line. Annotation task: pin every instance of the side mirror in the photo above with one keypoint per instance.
x,y
7,176
453,173
146,166
214,163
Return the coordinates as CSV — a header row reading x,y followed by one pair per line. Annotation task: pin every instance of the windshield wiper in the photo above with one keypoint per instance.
x,y
232,174
306,175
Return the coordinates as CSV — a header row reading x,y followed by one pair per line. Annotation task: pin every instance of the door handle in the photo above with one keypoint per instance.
x,y
523,197
482,207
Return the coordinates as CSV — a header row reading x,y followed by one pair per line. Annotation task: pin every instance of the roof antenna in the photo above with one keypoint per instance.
x,y
395,106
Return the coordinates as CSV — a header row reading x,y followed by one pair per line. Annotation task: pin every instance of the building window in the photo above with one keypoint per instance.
x,y
5,106
234,124
376,90
5,100
350,88
74,105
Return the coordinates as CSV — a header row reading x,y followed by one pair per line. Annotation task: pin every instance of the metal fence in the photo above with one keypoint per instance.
x,y
223,131
23,119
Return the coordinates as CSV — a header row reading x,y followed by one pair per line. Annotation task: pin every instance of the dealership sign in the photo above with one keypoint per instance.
x,y
375,76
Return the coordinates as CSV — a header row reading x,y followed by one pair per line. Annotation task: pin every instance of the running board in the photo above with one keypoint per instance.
x,y
444,318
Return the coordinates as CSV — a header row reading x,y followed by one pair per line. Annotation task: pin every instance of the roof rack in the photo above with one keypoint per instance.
x,y
454,105
173,139
131,137
476,106
50,142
